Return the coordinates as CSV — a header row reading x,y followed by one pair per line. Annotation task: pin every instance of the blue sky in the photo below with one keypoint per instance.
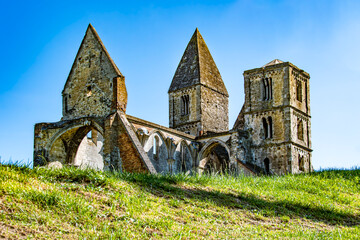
x,y
146,39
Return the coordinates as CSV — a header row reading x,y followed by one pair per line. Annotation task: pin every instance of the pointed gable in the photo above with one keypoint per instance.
x,y
88,90
197,67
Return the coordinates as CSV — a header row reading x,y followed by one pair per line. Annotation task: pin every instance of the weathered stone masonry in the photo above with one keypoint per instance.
x,y
271,134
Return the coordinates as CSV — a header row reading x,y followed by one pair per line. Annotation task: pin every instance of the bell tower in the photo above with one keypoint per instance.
x,y
198,99
277,113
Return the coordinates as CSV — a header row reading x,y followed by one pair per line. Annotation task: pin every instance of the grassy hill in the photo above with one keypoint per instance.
x,y
71,203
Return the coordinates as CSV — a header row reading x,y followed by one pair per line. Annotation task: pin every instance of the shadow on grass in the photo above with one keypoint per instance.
x,y
165,187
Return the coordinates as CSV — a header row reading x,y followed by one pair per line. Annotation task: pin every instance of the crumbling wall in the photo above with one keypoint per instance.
x,y
89,88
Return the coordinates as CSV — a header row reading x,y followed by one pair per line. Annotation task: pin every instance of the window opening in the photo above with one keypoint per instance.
x,y
267,165
300,130
301,163
299,91
185,105
270,127
156,147
89,135
265,127
89,91
183,160
267,88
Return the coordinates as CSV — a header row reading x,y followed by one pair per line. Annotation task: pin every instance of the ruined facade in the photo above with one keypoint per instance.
x,y
271,134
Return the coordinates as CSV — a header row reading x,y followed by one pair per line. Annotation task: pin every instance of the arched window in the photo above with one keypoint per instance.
x,y
156,147
299,91
270,127
267,165
300,130
264,88
267,88
301,163
265,127
185,105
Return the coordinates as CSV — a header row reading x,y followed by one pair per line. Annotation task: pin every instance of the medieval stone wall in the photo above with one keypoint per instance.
x,y
89,87
301,160
277,95
254,123
214,111
299,80
189,123
254,88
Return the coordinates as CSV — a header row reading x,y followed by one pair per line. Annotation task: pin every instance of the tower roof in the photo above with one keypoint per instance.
x,y
197,67
273,62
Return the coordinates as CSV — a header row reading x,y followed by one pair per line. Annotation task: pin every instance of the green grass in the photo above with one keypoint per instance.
x,y
72,203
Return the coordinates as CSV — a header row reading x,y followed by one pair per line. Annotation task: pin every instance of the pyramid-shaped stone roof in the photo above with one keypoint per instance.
x,y
273,62
197,67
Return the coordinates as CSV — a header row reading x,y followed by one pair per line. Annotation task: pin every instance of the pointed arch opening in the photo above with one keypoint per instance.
x,y
157,151
80,146
214,158
89,153
183,159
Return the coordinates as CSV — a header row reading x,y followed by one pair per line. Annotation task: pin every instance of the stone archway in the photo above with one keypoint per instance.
x,y
157,151
214,157
75,146
183,162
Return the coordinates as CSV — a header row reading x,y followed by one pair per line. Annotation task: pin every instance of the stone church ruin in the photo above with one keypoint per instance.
x,y
271,134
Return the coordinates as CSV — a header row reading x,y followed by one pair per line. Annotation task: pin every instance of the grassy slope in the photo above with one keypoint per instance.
x,y
69,203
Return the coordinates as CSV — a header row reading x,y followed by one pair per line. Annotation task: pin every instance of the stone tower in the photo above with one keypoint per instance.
x,y
198,99
277,115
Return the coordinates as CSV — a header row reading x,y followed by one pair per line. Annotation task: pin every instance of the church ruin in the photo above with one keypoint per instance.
x,y
271,134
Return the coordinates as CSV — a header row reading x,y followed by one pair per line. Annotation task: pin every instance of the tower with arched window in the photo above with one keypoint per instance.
x,y
277,112
198,99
